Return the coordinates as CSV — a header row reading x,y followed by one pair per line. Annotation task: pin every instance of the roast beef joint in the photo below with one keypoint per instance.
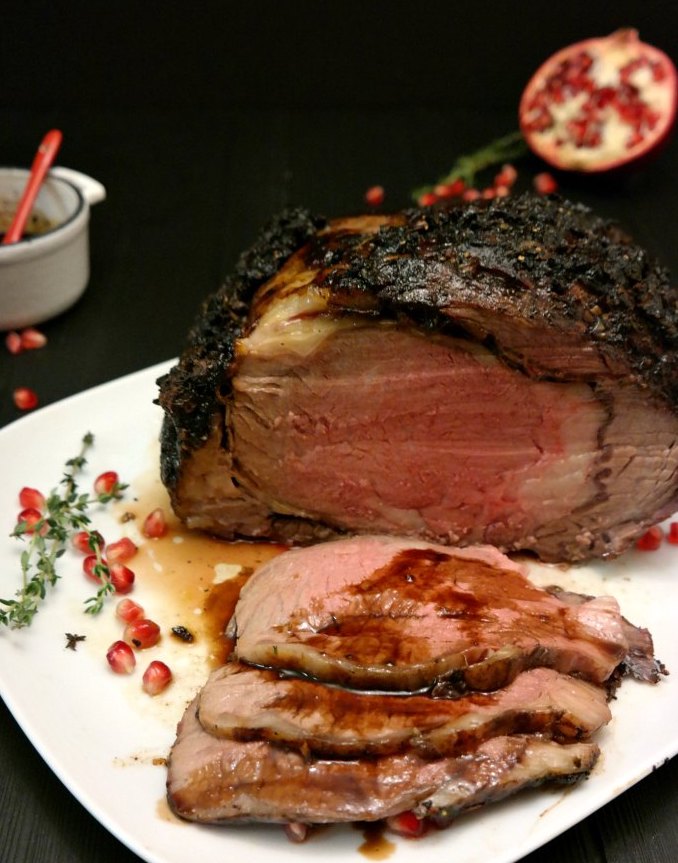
x,y
501,373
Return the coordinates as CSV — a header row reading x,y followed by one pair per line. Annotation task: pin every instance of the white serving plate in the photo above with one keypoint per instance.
x,y
101,736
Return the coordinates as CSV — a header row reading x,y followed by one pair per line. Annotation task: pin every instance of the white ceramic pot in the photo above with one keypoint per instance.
x,y
43,275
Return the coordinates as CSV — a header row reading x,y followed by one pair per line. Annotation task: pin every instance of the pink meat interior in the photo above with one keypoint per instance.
x,y
385,428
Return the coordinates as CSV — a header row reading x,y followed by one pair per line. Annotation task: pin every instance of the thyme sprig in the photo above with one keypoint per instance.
x,y
467,168
66,512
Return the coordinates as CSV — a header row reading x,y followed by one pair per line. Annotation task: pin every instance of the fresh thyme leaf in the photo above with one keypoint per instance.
x,y
45,542
466,168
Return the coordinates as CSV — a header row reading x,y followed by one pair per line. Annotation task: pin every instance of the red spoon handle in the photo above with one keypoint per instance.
x,y
41,164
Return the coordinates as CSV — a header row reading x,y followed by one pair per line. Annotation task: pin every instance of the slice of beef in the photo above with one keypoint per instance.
x,y
243,703
640,661
398,614
503,766
211,779
502,374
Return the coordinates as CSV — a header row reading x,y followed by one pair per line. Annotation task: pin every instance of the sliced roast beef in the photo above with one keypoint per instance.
x,y
503,766
398,614
211,779
640,661
243,703
502,374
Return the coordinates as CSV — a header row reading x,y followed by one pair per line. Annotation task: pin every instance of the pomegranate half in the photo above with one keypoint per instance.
x,y
600,104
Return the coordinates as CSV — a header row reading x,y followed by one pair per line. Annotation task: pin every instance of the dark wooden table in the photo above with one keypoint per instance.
x,y
201,124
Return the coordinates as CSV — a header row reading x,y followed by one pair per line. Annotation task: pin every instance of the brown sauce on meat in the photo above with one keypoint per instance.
x,y
469,592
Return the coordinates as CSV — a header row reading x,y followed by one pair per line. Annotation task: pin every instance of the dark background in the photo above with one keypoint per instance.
x,y
201,120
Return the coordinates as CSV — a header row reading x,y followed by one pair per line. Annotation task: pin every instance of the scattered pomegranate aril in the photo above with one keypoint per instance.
x,y
25,398
545,184
406,824
122,577
142,633
506,177
489,193
374,196
600,104
121,658
155,524
87,542
427,199
106,483
29,519
120,551
651,540
502,191
157,678
672,535
450,190
13,342
128,610
471,195
31,498
32,339
96,570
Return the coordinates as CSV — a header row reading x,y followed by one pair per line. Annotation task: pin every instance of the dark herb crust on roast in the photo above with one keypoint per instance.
x,y
538,258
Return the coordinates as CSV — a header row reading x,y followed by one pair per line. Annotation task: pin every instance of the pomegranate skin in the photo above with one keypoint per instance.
x,y
612,116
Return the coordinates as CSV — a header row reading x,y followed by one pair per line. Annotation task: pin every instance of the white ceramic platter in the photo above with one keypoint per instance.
x,y
106,740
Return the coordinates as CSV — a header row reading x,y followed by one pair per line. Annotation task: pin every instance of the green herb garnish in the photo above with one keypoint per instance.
x,y
45,542
467,168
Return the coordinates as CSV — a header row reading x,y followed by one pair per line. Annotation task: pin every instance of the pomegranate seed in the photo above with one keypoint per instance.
x,y
450,190
651,539
29,517
122,577
545,184
157,677
471,195
94,570
106,483
634,139
31,498
32,339
121,658
129,610
506,177
489,193
155,524
13,342
374,196
672,535
427,199
122,550
87,542
142,633
25,399
502,191
406,824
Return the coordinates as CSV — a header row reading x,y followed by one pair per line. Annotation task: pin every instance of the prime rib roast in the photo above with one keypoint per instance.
x,y
502,373
374,676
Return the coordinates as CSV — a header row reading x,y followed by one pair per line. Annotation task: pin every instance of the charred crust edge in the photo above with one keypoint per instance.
x,y
194,389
